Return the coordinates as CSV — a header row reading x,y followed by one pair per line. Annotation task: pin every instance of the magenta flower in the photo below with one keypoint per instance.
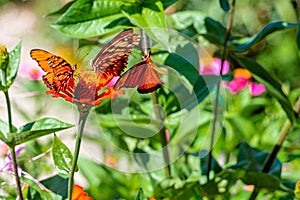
x,y
256,89
213,67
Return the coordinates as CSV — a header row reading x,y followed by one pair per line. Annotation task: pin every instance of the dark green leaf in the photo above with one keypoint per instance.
x,y
265,31
62,157
90,18
204,161
37,129
140,195
183,67
253,159
215,31
273,86
167,3
57,184
224,5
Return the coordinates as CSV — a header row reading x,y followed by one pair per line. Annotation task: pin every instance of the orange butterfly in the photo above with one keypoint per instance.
x,y
113,58
143,75
109,62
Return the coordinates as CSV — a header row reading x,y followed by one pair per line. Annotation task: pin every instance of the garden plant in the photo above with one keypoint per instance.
x,y
170,99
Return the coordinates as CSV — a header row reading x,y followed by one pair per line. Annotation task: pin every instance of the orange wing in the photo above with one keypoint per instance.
x,y
59,75
143,75
113,57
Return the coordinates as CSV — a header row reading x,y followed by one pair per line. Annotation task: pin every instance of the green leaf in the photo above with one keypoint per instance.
x,y
57,184
224,5
273,86
13,64
140,195
184,19
215,31
265,31
4,131
149,15
167,3
204,161
62,157
90,18
37,129
10,73
253,159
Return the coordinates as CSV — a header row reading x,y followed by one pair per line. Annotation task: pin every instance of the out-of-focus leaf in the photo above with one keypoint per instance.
x,y
224,5
204,161
140,195
149,15
273,86
62,157
90,18
167,3
215,31
37,129
265,31
184,19
57,184
38,191
253,159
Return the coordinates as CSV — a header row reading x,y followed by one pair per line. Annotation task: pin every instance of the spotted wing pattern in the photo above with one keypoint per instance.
x,y
59,75
113,57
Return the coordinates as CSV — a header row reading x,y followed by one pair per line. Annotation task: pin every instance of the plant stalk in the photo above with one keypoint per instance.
x,y
12,148
81,123
162,136
216,107
272,156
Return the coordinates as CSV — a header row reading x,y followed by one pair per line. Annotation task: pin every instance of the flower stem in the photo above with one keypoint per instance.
x,y
81,122
216,107
12,148
271,158
162,136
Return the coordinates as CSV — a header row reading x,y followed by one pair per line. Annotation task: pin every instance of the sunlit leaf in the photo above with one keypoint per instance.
x,y
224,5
61,10
62,157
4,130
298,36
37,129
90,18
265,31
149,15
273,86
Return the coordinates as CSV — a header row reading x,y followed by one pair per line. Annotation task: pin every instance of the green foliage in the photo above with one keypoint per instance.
x,y
9,73
62,157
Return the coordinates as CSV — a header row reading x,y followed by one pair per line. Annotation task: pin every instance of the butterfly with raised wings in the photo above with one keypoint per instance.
x,y
110,62
144,75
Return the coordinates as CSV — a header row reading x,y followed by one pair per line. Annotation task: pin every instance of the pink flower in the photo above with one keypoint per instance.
x,y
113,81
243,78
256,89
208,67
31,70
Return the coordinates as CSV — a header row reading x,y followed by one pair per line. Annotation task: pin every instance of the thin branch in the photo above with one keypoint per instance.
x,y
216,107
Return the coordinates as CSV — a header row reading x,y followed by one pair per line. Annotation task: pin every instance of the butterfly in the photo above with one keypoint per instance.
x,y
110,62
143,75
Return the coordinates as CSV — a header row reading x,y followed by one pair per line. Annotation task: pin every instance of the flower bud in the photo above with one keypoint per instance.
x,y
3,57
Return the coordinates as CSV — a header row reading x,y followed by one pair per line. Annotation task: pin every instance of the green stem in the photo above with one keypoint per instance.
x,y
216,107
272,156
81,122
12,148
162,136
